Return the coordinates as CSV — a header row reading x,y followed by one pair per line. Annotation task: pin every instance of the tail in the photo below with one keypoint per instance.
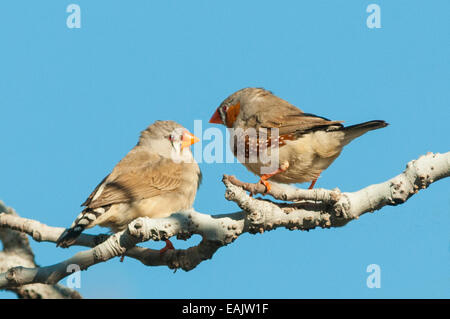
x,y
353,131
83,221
69,236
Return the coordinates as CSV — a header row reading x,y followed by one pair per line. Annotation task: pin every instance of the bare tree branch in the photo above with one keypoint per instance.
x,y
17,252
308,209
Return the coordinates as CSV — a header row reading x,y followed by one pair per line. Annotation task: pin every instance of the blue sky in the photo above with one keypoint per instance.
x,y
73,101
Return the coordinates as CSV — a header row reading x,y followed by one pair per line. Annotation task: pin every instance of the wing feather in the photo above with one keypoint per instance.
x,y
139,175
278,113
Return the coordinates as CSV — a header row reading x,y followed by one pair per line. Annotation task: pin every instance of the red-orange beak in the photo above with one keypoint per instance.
x,y
215,119
188,139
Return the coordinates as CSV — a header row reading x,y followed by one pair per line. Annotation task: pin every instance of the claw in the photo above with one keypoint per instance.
x,y
266,184
168,246
265,177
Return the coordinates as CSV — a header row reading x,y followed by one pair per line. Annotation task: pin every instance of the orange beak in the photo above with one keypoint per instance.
x,y
215,119
188,139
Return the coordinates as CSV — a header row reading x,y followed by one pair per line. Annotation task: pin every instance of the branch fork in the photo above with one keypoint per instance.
x,y
294,209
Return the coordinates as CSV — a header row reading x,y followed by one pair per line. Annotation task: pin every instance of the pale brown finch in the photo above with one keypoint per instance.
x,y
158,177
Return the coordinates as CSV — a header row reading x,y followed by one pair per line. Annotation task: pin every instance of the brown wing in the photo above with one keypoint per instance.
x,y
139,175
278,113
89,199
299,123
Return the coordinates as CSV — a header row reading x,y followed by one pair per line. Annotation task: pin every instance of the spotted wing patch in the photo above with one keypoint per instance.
x,y
253,146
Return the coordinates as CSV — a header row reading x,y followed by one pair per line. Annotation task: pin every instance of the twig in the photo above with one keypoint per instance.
x,y
334,209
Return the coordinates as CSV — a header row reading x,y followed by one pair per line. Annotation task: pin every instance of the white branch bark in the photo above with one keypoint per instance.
x,y
307,209
17,252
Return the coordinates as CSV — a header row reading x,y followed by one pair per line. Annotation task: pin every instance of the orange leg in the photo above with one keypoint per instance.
x,y
313,183
168,246
265,177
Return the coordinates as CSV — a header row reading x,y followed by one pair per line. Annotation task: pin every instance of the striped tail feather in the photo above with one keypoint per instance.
x,y
83,221
69,236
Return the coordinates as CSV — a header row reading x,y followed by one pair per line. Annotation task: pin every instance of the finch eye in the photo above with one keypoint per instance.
x,y
170,137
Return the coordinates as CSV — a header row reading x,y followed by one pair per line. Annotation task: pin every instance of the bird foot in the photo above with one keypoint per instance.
x,y
266,184
313,183
168,246
283,167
